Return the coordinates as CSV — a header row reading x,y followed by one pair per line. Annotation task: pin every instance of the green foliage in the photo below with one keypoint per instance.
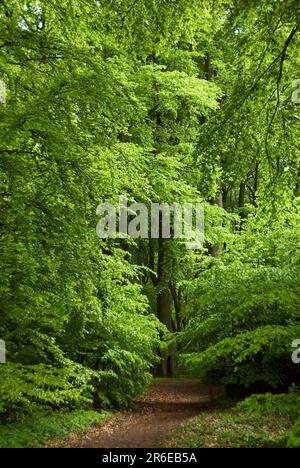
x,y
35,431
66,297
268,404
26,389
261,420
226,429
262,355
243,313
158,101
281,405
293,440
94,109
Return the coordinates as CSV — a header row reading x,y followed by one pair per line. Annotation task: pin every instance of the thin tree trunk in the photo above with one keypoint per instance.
x,y
164,307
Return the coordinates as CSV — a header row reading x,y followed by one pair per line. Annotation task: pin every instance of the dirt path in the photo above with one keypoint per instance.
x,y
166,405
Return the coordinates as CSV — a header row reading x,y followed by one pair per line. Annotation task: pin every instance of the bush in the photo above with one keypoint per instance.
x,y
35,431
262,355
25,390
242,315
293,440
278,406
268,404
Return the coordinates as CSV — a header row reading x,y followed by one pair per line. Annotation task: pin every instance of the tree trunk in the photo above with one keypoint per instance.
x,y
242,199
164,307
216,249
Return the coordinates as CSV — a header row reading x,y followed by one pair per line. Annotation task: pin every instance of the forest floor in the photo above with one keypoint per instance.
x,y
167,404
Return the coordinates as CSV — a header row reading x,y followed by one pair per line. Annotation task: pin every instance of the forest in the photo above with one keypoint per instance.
x,y
166,102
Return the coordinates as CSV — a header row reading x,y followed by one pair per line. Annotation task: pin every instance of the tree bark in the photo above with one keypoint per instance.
x,y
164,307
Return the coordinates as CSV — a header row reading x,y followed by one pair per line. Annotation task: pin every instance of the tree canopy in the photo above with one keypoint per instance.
x,y
161,102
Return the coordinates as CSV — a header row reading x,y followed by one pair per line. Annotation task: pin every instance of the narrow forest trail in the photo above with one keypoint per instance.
x,y
166,405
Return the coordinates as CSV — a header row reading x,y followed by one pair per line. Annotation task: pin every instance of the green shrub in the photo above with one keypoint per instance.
x,y
268,404
25,390
35,431
242,314
262,355
227,429
276,406
293,440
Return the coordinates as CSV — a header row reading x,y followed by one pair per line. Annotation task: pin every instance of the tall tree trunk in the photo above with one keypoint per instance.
x,y
164,305
242,199
216,249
